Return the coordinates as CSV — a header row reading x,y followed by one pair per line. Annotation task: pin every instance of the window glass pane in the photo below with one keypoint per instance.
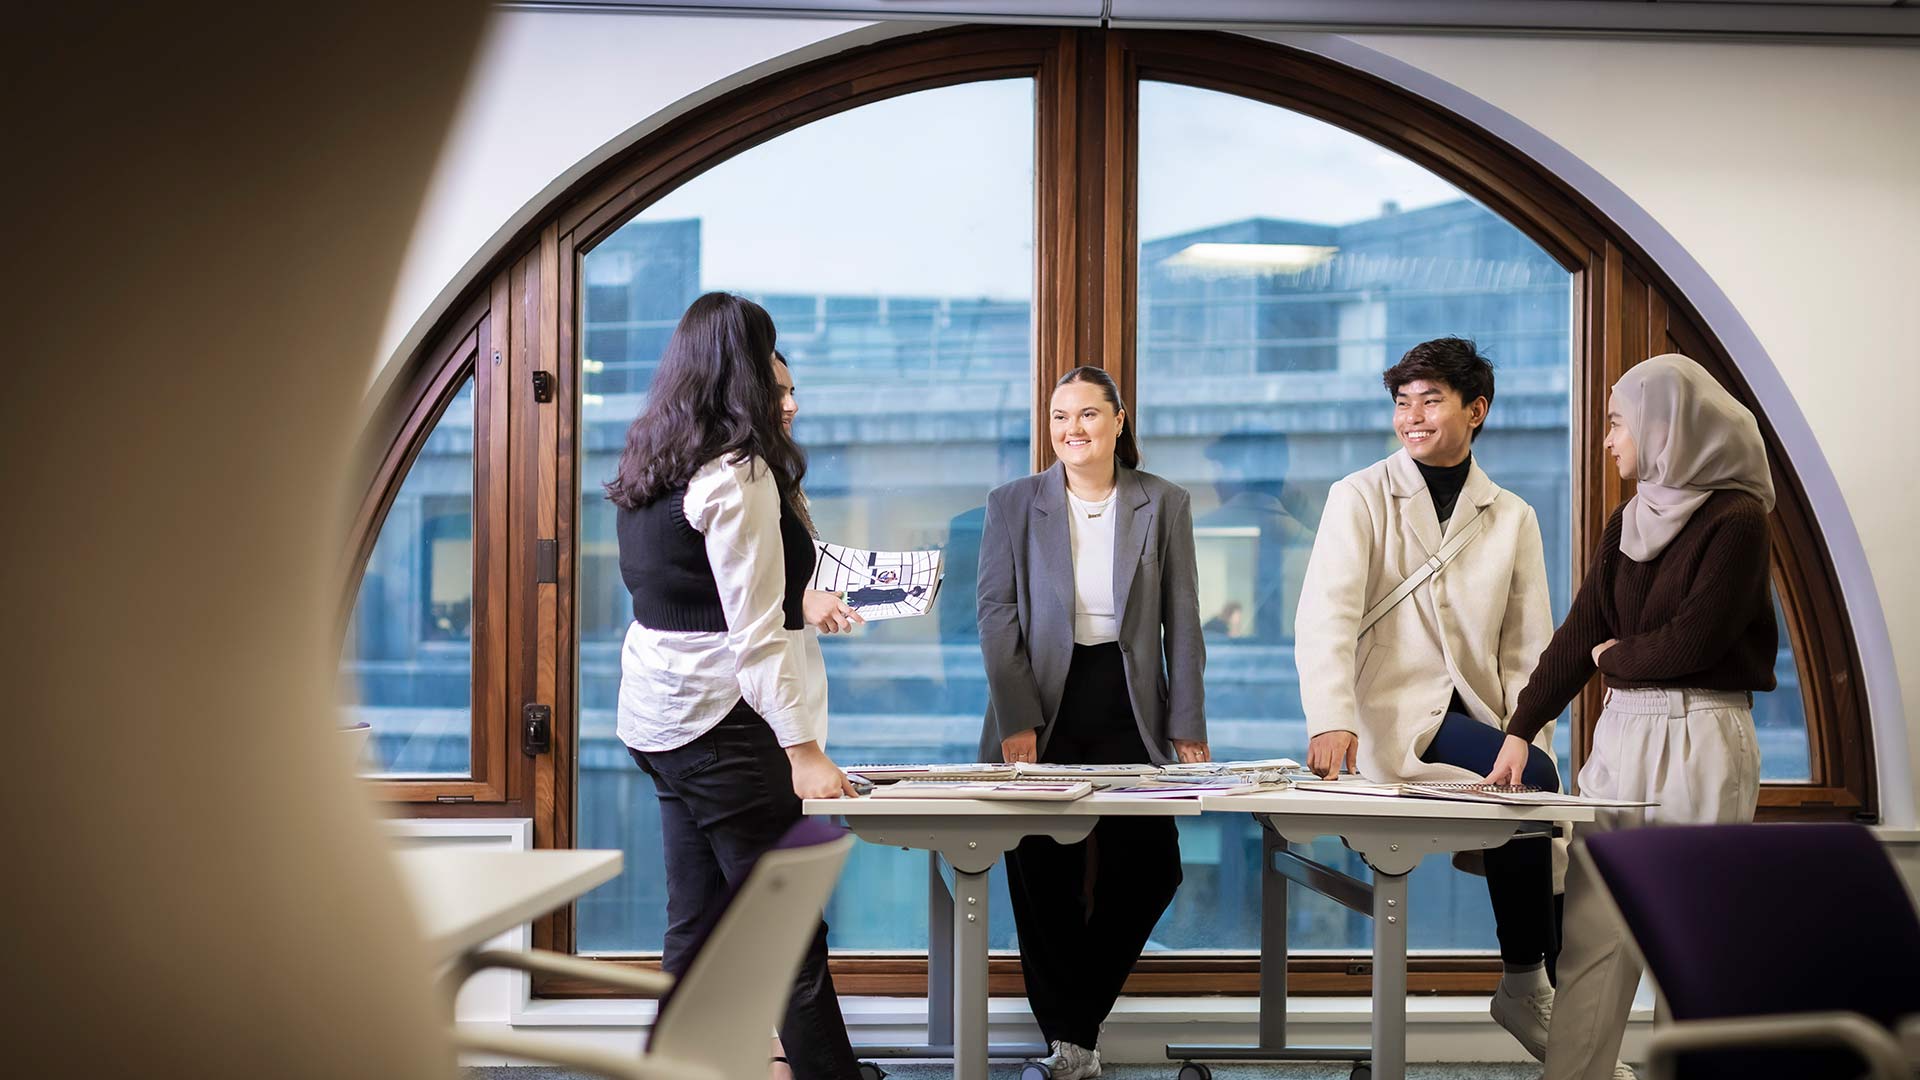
x,y
407,666
893,246
1284,264
1780,718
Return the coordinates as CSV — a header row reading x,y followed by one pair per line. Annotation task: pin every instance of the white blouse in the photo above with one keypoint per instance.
x,y
676,685
1094,620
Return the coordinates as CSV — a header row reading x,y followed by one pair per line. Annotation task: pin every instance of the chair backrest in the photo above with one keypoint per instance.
x,y
1754,920
734,991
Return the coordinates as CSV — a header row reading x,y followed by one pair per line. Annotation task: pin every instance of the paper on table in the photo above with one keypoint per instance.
x,y
879,584
1463,793
1215,768
1064,791
1175,786
1052,770
1520,798
950,771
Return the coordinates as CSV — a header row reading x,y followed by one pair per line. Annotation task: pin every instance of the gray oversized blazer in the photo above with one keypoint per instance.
x,y
1027,597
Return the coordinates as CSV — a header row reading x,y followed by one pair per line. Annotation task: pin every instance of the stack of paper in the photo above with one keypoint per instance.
x,y
1215,768
887,774
1040,790
1046,770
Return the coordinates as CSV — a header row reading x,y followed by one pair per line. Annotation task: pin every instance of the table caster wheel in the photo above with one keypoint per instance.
x,y
1033,1070
1193,1070
870,1071
1361,1071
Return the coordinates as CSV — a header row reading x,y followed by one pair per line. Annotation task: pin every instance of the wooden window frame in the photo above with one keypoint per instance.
x,y
523,311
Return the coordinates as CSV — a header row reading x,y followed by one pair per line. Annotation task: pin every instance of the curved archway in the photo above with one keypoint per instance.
x,y
1086,294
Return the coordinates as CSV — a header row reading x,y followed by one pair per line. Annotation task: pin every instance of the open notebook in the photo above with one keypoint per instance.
x,y
1510,795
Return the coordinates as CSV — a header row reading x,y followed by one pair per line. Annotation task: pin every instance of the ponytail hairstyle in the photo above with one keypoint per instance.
x,y
1125,450
714,394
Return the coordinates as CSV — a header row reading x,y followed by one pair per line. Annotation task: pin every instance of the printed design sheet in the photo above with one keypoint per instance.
x,y
880,584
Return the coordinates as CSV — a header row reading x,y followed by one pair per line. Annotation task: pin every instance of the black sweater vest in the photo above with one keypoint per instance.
x,y
663,560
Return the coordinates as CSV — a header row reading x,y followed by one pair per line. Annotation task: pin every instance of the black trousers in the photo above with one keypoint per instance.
x,y
725,799
1526,914
1084,911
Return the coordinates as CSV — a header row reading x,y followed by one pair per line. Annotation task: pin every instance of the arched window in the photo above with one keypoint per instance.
x,y
941,225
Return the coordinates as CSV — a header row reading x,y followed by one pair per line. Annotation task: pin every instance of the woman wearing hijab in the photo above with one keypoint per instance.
x,y
1675,613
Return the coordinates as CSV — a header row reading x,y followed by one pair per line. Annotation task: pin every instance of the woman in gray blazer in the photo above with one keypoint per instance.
x,y
1090,623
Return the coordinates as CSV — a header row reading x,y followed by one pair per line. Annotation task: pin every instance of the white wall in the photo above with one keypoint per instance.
x,y
553,95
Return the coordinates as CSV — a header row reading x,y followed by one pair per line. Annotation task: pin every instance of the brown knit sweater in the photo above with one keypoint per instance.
x,y
1699,616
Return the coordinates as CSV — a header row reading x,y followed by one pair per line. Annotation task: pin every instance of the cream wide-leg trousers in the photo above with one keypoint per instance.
x,y
1694,753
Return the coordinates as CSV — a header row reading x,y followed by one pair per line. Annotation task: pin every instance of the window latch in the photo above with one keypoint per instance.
x,y
536,729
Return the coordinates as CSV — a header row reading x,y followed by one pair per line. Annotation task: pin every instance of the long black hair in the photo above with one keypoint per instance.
x,y
714,394
1125,450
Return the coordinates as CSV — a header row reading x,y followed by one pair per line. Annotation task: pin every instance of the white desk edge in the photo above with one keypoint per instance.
x,y
465,898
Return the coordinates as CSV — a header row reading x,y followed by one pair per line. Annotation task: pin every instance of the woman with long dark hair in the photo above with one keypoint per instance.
x,y
1090,623
721,701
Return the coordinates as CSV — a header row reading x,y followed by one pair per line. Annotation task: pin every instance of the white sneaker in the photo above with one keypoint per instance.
x,y
1525,1016
1622,1072
1071,1062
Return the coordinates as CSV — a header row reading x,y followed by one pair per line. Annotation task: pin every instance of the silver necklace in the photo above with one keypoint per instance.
x,y
1087,509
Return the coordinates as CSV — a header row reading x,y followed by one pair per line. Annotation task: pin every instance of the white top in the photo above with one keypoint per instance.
x,y
676,685
1094,620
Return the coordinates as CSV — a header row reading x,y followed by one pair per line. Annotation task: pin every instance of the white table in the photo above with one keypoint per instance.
x,y
1391,835
970,835
466,898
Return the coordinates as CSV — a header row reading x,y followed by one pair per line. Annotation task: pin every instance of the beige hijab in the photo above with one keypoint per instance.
x,y
1692,439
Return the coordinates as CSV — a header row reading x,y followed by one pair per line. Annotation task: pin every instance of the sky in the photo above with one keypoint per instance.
x,y
932,193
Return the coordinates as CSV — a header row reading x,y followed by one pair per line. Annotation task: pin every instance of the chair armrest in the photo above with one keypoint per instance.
x,y
540,961
1851,1031
1908,1033
580,1058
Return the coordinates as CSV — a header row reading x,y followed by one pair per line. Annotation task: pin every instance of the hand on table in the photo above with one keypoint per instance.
x,y
1022,747
815,776
1189,751
1328,751
1512,762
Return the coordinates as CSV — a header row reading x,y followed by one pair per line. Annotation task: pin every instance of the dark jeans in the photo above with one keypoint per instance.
x,y
1084,911
725,799
1526,914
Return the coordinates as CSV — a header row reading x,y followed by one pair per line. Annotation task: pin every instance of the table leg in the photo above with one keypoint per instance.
x,y
940,975
1273,941
1389,976
1278,867
969,975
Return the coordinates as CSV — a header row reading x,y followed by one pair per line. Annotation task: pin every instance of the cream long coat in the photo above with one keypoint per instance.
x,y
1478,625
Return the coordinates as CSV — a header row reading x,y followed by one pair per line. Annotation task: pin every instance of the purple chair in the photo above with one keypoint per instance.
x,y
1782,950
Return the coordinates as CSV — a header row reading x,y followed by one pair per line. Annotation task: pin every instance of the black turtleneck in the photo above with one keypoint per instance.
x,y
1444,483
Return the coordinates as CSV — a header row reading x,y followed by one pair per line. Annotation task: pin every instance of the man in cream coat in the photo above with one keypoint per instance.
x,y
1425,693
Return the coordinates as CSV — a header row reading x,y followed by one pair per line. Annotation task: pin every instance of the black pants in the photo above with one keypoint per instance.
x,y
725,799
1526,914
1084,911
